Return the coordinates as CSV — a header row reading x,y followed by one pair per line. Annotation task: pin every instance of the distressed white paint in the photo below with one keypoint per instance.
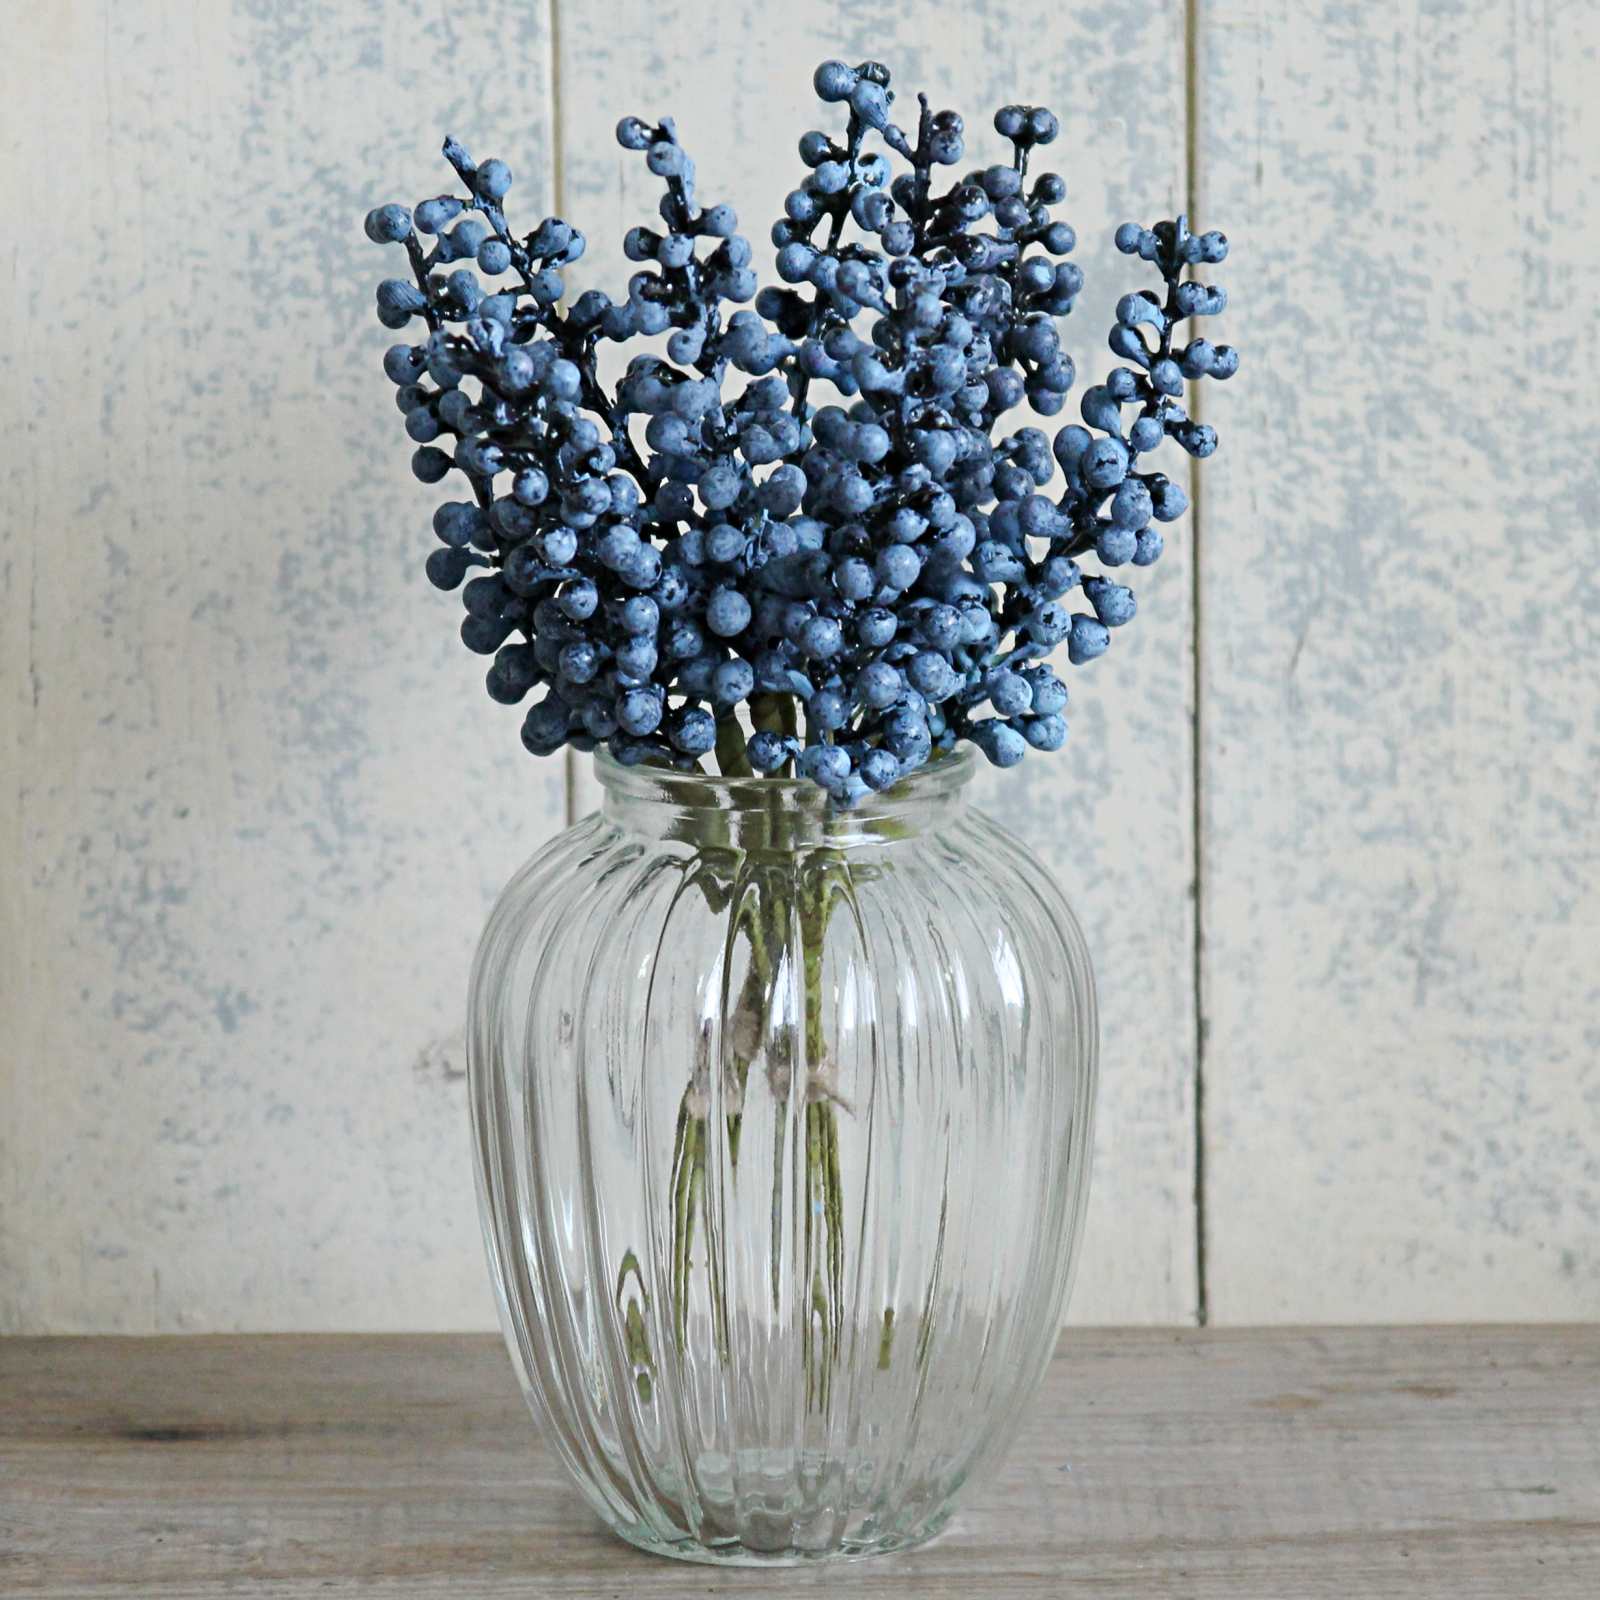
x,y
1112,812
1401,695
253,801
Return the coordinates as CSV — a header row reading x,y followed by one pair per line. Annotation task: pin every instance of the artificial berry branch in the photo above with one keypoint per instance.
x,y
883,562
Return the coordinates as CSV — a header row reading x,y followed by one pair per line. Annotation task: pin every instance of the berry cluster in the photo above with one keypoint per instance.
x,y
867,580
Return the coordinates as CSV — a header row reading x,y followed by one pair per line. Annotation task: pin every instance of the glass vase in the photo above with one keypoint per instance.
x,y
783,1123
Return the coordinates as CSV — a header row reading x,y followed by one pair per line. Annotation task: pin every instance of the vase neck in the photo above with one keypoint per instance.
x,y
779,814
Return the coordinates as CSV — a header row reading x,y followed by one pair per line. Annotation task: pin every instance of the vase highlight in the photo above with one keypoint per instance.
x,y
783,1118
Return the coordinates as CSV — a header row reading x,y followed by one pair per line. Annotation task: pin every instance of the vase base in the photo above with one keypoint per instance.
x,y
731,1553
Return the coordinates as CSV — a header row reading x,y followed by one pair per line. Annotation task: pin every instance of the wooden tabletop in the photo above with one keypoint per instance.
x,y
1289,1464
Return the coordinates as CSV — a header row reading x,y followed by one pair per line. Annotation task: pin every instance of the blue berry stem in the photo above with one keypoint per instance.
x,y
419,270
801,386
888,571
922,169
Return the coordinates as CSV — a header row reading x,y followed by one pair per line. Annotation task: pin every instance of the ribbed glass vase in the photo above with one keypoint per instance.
x,y
783,1123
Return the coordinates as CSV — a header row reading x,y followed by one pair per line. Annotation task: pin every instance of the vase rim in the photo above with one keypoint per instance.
x,y
933,785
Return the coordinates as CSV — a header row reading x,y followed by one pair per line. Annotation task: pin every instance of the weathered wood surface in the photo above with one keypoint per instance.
x,y
1400,641
1434,1463
1112,813
254,803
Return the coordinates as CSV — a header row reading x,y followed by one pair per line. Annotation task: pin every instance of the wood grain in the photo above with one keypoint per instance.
x,y
1434,1464
254,803
1400,701
1112,813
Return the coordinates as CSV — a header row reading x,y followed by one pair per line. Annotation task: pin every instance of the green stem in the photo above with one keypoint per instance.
x,y
732,761
793,903
687,1141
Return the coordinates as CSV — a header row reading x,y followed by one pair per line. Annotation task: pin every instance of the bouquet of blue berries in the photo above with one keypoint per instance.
x,y
806,532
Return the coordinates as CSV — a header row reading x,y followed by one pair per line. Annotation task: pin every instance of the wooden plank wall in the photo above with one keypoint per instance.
x,y
253,804
253,801
1400,704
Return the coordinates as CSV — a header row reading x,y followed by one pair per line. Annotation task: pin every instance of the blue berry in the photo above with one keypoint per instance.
x,y
1009,693
639,712
693,732
1147,547
447,567
999,741
827,710
834,81
1046,732
897,567
457,523
665,160
1010,122
822,638
767,751
879,769
1168,500
432,215
727,613
422,424
824,764
1049,692
388,224
404,364
430,464
1146,433
493,180
1105,463
399,298
870,102
1087,639
1113,603
733,681
1115,546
